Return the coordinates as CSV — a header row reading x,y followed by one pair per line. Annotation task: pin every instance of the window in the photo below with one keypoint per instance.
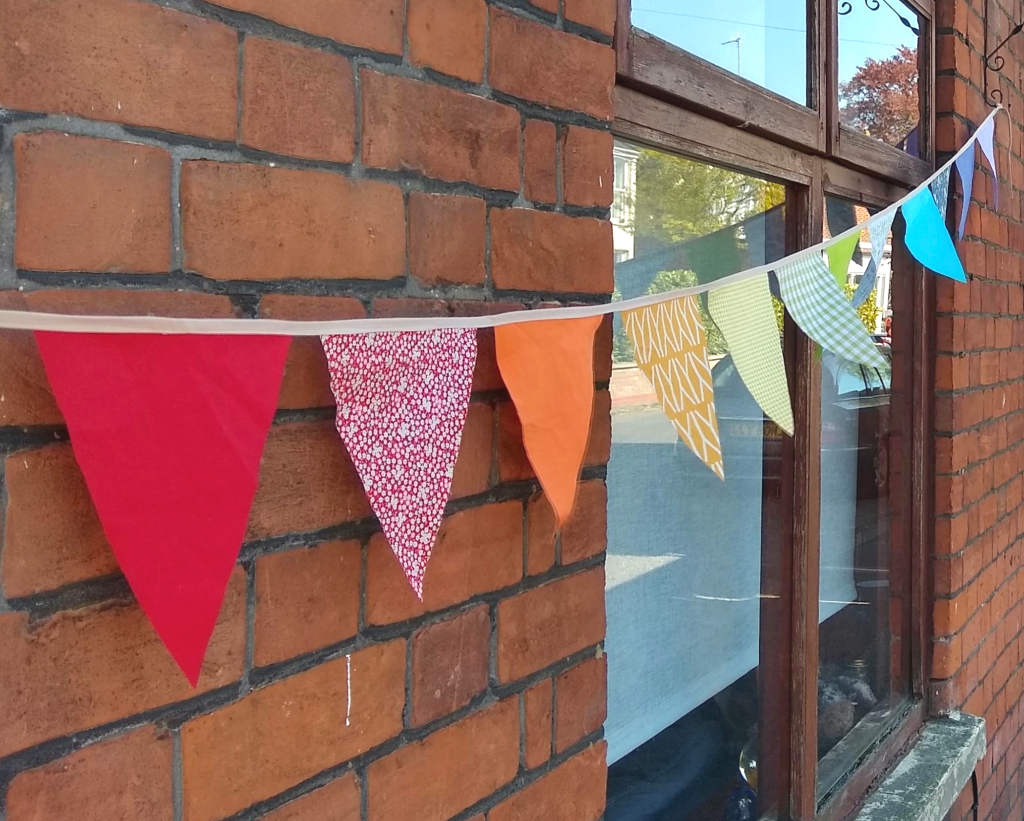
x,y
766,648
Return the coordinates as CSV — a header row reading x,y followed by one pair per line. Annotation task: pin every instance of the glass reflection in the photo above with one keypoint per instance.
x,y
764,41
686,595
878,71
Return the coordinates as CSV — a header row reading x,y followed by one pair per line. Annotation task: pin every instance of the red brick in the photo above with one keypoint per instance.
x,y
541,532
90,667
243,221
297,101
473,467
543,625
599,448
537,706
307,383
542,65
597,14
122,61
542,251
291,730
448,36
449,770
575,791
581,698
126,778
586,533
447,239
477,551
589,176
306,599
338,800
540,173
307,482
25,396
439,132
450,664
376,26
52,535
513,463
547,5
92,205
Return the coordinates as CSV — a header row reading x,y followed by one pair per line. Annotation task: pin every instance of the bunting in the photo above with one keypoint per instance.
x,y
879,229
823,312
927,238
402,403
940,192
168,432
840,255
671,350
548,368
743,313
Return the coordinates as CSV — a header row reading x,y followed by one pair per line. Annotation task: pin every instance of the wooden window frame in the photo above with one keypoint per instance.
x,y
659,69
655,104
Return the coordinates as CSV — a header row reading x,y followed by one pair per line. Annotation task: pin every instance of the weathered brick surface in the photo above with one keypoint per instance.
x,y
447,239
581,697
298,102
586,533
450,663
183,81
125,777
541,251
597,14
242,221
477,551
540,167
82,669
537,628
448,36
306,599
92,205
535,62
442,775
573,792
439,132
227,160
291,730
338,800
376,26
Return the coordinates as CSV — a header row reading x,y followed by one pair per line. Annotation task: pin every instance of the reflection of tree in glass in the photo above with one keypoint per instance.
x,y
881,97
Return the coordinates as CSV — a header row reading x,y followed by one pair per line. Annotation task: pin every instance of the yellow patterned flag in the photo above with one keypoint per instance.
x,y
671,350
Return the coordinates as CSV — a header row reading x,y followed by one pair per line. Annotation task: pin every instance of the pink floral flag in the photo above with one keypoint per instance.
x,y
402,402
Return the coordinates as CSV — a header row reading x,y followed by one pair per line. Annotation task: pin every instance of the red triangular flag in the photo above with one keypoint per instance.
x,y
168,432
402,402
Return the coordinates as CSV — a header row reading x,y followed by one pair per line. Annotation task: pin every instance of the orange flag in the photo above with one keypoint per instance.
x,y
548,368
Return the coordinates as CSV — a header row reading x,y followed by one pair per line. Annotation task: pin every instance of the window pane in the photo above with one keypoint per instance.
x,y
689,599
878,75
764,41
858,675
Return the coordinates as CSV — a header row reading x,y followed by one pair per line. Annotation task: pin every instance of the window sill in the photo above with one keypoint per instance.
x,y
926,783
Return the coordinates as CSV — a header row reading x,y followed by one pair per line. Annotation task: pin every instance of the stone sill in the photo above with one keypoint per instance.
x,y
929,779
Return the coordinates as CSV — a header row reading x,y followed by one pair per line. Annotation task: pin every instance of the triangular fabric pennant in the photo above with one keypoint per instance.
x,y
940,192
985,137
824,313
670,346
866,284
169,432
744,314
402,402
927,238
879,228
548,368
965,168
840,254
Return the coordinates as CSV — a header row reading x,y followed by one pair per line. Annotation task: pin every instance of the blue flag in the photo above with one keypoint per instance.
x,y
927,237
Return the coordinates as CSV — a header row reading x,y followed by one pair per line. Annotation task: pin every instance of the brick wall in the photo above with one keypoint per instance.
x,y
978,644
310,159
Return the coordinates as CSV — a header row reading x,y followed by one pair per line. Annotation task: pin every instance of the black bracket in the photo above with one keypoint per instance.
x,y
994,61
845,7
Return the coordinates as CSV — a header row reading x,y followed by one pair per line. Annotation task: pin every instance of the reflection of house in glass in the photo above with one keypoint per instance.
x,y
622,205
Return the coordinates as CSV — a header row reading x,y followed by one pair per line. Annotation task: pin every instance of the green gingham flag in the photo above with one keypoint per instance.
x,y
743,313
824,313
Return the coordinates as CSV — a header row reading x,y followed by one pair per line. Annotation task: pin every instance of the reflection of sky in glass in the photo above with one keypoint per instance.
x,y
773,39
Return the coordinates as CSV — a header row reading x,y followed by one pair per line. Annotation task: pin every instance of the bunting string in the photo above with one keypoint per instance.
x,y
41,321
